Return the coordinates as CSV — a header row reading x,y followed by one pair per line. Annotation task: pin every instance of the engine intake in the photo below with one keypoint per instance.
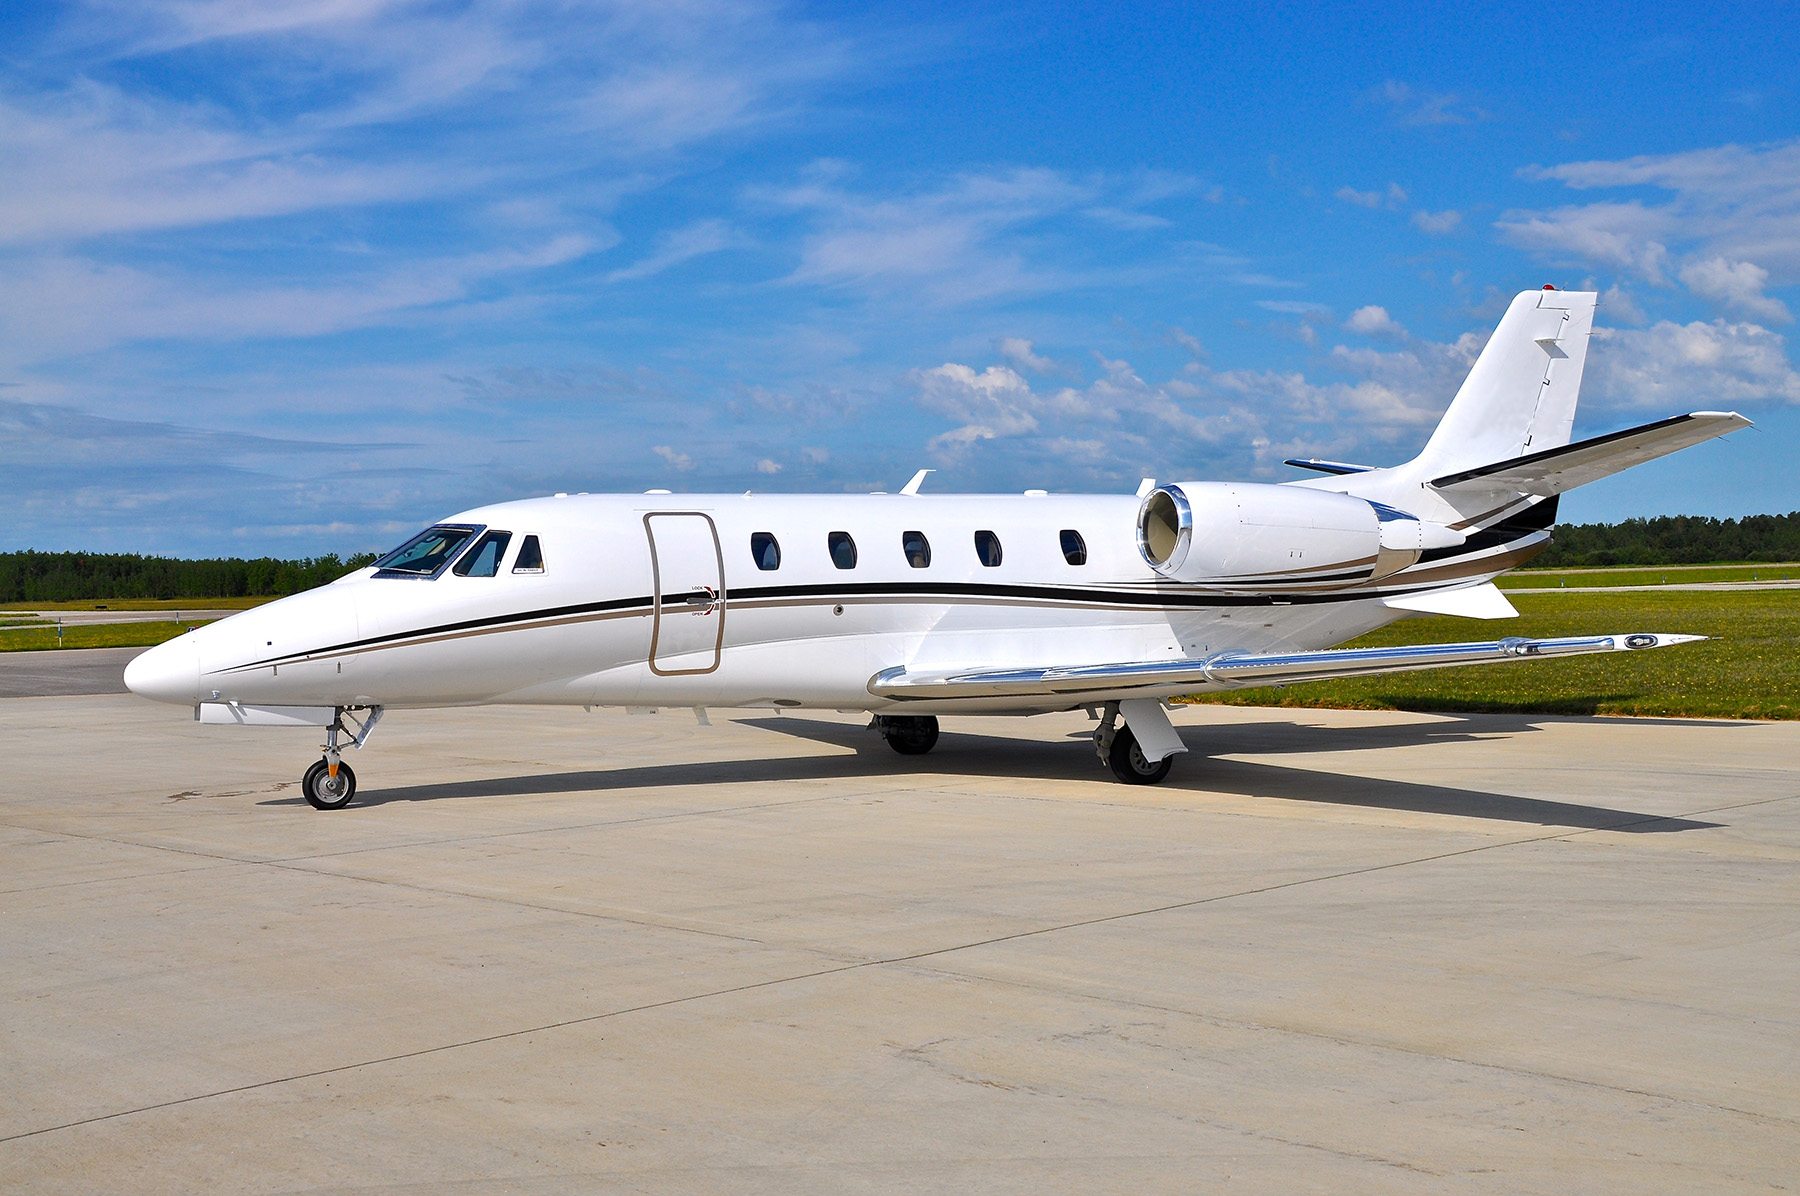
x,y
1256,538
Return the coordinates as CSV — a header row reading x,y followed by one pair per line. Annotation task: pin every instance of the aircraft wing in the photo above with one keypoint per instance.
x,y
1238,670
1556,470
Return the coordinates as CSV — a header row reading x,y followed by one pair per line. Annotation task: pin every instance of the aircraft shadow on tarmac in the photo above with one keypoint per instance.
x,y
1200,771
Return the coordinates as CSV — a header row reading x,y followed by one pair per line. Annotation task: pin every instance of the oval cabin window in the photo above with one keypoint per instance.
x,y
765,551
917,549
843,550
987,549
1074,547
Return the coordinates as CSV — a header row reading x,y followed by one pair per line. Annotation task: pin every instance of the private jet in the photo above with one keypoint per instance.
x,y
910,606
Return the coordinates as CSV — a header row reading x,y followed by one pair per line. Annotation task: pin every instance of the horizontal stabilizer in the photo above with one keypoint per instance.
x,y
1556,470
1332,467
1238,670
1484,601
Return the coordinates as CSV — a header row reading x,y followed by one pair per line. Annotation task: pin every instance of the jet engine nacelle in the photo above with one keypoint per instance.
x,y
1257,538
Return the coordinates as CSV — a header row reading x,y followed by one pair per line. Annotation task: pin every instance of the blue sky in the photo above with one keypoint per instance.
x,y
299,277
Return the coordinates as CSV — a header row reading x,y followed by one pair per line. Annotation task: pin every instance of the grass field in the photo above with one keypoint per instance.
x,y
1647,575
102,635
1749,669
169,604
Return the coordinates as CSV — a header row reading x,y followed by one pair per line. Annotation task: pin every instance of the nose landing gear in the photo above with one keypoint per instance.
x,y
330,784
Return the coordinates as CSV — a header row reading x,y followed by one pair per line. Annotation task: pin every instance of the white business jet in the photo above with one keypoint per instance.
x,y
910,606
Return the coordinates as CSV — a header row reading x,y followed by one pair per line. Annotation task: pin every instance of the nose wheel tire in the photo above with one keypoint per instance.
x,y
326,792
909,734
1129,764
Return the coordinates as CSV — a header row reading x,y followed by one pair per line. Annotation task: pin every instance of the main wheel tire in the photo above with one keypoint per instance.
x,y
323,792
1129,764
910,734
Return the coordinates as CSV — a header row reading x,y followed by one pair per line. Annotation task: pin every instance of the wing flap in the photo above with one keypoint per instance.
x,y
1484,601
1556,470
1241,670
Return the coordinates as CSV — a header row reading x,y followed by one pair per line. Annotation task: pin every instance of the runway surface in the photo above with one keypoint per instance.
x,y
548,951
65,673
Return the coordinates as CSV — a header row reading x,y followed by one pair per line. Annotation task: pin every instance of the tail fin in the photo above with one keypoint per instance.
x,y
1520,397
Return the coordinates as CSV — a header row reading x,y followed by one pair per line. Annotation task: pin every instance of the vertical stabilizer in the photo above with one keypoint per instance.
x,y
1520,397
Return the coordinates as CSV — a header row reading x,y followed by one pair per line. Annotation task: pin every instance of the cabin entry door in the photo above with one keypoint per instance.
x,y
687,573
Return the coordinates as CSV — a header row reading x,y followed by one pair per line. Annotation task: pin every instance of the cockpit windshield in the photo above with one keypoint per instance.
x,y
426,554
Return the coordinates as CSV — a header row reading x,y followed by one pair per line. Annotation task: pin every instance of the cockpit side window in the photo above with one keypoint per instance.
x,y
483,560
426,554
531,557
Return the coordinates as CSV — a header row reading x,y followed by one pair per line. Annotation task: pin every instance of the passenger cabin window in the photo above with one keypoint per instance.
x,y
987,549
1074,547
426,554
483,560
917,549
843,550
765,551
531,557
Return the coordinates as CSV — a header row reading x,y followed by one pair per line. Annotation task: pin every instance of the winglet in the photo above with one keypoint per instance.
x,y
918,479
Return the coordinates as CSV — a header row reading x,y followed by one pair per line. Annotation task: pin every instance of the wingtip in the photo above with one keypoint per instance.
x,y
1645,639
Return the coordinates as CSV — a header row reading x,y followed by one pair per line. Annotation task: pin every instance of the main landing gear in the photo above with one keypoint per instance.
x,y
1120,750
330,784
908,734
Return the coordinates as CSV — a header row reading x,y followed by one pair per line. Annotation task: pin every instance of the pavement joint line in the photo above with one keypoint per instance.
x,y
279,861
1295,1031
868,964
324,874
98,880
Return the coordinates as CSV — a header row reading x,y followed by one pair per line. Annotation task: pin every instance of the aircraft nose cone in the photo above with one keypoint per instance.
x,y
167,673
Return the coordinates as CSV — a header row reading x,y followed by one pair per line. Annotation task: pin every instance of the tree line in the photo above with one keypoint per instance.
x,y
1673,540
77,576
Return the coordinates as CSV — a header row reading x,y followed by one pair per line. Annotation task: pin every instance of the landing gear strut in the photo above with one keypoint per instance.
x,y
330,784
908,734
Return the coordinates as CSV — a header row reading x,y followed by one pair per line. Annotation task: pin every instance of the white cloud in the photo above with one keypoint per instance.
x,y
971,237
947,241
679,462
1374,321
768,466
995,402
1739,284
1019,351
1728,229
1411,107
1673,367
1239,422
1437,223
57,305
1626,236
1616,305
1392,198
675,247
